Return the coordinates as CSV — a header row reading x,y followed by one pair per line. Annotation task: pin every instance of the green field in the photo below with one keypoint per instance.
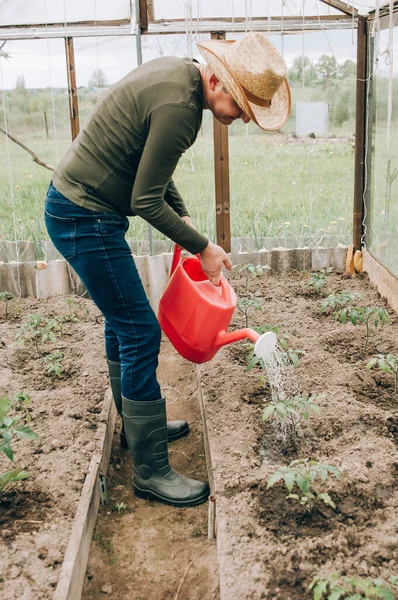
x,y
281,186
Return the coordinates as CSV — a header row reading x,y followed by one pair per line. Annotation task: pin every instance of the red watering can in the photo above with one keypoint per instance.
x,y
195,314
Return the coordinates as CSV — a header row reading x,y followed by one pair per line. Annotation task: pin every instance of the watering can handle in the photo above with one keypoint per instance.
x,y
176,258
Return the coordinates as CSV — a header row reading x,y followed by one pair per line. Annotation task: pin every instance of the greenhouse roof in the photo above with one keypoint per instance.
x,y
55,18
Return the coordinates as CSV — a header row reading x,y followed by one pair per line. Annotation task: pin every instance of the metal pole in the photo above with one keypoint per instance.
x,y
360,137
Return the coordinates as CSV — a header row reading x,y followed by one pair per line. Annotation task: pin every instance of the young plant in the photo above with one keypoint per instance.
x,y
316,282
370,315
290,355
292,410
8,429
6,297
71,317
339,300
336,587
37,330
16,474
120,506
246,304
53,364
251,271
20,402
302,473
388,364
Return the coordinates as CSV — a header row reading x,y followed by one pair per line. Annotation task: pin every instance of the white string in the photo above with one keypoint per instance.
x,y
11,182
96,47
365,178
188,17
390,63
51,85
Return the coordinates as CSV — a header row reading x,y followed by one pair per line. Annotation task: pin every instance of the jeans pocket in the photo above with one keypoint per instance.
x,y
110,223
62,231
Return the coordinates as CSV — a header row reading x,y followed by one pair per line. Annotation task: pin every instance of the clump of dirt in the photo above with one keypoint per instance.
x,y
270,547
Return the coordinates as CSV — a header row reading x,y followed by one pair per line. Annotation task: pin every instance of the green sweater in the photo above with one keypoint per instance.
x,y
124,158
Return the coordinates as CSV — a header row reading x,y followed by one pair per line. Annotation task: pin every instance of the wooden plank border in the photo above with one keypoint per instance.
x,y
73,570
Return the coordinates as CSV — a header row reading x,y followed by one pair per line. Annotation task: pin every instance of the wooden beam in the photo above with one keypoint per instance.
x,y
221,172
72,89
360,133
342,6
143,15
239,25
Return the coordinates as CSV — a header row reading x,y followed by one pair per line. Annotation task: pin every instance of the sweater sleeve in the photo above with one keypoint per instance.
x,y
171,130
173,199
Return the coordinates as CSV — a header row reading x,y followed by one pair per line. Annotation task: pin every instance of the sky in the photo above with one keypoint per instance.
x,y
42,62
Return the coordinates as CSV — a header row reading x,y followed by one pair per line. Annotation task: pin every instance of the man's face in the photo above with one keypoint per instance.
x,y
223,106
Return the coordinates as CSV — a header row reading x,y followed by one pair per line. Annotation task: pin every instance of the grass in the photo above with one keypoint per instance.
x,y
299,191
279,187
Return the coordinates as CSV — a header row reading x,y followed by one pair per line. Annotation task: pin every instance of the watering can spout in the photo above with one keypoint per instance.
x,y
263,344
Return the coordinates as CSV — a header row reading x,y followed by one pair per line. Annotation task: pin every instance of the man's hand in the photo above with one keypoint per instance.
x,y
212,258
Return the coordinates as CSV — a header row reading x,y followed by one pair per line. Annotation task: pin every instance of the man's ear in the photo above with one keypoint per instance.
x,y
213,82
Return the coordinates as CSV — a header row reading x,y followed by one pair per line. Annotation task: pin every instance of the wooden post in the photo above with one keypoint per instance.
x,y
360,137
45,123
72,90
221,170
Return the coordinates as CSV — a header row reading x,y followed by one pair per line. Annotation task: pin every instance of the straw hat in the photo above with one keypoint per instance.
x,y
254,73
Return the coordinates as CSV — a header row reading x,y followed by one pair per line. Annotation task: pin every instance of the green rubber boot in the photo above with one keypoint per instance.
x,y
175,429
154,478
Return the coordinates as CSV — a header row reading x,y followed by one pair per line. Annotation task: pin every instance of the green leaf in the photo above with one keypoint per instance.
x,y
281,409
274,478
353,319
5,405
320,589
372,363
294,496
7,451
14,475
335,595
26,432
289,480
326,499
283,343
268,412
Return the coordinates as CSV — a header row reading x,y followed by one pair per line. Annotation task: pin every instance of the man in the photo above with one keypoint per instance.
x,y
122,164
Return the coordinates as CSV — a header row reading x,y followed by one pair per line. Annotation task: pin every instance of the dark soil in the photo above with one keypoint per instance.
x,y
276,546
141,551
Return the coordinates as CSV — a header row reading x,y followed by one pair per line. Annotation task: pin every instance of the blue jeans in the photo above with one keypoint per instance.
x,y
94,244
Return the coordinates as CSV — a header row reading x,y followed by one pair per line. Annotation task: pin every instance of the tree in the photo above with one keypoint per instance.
x,y
302,67
97,79
347,69
20,84
327,68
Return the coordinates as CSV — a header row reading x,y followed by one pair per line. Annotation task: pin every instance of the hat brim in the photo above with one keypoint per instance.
x,y
271,117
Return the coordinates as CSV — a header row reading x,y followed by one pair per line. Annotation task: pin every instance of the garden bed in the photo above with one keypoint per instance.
x,y
37,513
269,546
